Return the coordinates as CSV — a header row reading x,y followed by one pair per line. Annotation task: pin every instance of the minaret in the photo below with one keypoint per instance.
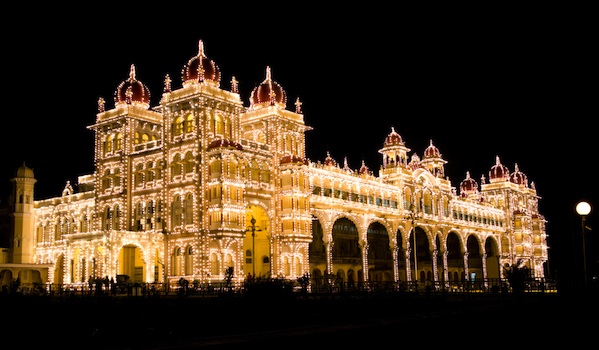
x,y
23,224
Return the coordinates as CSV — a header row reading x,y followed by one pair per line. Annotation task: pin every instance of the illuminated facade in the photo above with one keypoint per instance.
x,y
200,183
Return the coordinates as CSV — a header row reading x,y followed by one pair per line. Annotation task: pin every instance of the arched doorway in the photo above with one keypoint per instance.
x,y
257,244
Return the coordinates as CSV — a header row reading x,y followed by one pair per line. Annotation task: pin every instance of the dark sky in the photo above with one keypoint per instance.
x,y
520,85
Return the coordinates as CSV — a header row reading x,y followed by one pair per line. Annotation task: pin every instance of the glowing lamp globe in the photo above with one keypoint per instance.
x,y
583,208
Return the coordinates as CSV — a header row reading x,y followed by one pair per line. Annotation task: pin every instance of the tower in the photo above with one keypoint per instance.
x,y
23,216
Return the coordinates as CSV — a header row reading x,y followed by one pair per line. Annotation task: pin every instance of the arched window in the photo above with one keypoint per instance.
x,y
119,141
189,261
189,209
178,126
189,163
176,167
189,123
107,219
109,143
177,211
177,262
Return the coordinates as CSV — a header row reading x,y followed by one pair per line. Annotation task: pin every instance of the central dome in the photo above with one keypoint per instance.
x,y
201,69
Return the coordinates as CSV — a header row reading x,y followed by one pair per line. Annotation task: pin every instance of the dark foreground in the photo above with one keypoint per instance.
x,y
492,321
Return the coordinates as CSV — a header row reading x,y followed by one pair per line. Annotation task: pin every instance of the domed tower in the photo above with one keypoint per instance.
x,y
268,123
203,165
395,158
433,161
22,242
394,151
121,133
525,237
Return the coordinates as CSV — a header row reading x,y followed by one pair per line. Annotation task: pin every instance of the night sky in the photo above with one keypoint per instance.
x,y
514,85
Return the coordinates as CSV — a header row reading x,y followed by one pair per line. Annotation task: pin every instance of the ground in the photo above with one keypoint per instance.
x,y
223,322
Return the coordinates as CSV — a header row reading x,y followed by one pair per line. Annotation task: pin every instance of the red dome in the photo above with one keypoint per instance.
x,y
224,143
364,169
132,92
498,172
393,139
329,161
293,159
468,186
201,69
432,151
268,93
415,162
518,177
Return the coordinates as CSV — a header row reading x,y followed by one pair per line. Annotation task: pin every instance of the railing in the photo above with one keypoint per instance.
x,y
316,286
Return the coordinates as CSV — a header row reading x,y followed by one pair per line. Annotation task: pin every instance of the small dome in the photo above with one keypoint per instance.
x,y
268,93
201,69
393,139
431,151
468,186
24,171
293,159
132,92
518,177
329,161
498,172
364,169
415,162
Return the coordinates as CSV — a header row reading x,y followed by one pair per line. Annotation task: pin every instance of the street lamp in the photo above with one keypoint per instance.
x,y
412,216
253,228
583,209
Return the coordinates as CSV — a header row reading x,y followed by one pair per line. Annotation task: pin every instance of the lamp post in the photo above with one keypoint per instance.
x,y
583,209
253,230
412,217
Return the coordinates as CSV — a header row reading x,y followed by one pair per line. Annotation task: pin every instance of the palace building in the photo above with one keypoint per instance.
x,y
201,183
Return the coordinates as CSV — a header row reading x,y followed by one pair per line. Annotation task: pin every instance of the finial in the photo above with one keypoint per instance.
x,y
234,85
167,83
132,73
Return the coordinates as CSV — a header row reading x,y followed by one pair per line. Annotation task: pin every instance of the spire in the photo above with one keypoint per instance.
x,y
167,83
201,49
132,73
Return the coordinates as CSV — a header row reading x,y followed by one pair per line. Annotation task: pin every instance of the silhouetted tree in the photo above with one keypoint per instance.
x,y
517,275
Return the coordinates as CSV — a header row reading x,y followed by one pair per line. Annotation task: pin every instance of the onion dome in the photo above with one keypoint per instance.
x,y
201,69
224,143
329,161
268,93
414,162
431,151
24,171
393,138
468,186
288,158
132,92
518,177
364,169
498,172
